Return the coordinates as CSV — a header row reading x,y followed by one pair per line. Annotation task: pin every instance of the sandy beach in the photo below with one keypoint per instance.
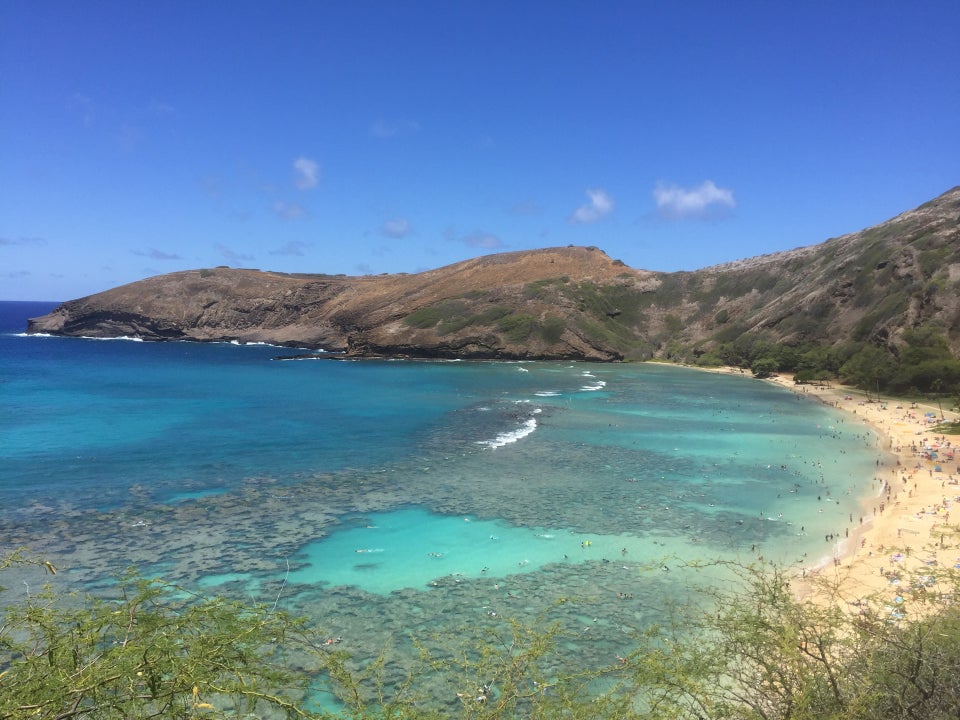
x,y
906,529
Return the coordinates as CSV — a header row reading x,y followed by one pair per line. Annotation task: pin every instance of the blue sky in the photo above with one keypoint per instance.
x,y
139,138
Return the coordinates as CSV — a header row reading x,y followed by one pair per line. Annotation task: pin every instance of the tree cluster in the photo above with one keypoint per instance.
x,y
921,365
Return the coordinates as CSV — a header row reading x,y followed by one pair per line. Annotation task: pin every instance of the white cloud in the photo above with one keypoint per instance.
x,y
306,173
396,228
289,211
701,202
600,205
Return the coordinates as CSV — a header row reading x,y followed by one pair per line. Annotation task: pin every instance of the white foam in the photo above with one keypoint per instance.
x,y
82,337
546,393
261,343
598,385
119,337
527,428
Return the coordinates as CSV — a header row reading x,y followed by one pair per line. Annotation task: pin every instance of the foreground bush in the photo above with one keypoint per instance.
x,y
154,651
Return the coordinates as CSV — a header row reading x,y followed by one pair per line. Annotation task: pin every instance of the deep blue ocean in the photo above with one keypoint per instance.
x,y
388,498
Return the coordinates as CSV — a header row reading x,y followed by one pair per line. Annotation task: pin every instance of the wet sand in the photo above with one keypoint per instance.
x,y
907,530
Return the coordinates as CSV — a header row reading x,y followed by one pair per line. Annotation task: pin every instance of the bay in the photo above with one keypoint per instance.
x,y
394,499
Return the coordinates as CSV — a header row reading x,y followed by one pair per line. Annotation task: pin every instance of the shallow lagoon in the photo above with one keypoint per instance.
x,y
410,548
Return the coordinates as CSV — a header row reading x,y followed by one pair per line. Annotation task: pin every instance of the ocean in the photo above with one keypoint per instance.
x,y
391,500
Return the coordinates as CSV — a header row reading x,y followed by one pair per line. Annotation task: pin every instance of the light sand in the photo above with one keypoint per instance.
x,y
907,529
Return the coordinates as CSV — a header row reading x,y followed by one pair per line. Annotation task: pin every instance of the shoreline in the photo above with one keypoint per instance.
x,y
906,522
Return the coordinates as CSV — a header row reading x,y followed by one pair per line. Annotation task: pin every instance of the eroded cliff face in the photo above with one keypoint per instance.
x,y
561,303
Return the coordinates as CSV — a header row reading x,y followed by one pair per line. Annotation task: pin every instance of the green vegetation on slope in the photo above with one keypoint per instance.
x,y
454,315
923,366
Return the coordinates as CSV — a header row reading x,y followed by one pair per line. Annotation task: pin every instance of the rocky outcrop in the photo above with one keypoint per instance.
x,y
561,303
367,316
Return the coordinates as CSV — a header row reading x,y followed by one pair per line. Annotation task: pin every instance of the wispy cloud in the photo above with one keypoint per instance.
x,y
396,228
155,254
159,108
600,205
212,186
702,202
306,173
384,129
484,241
294,247
81,106
526,208
289,211
7,241
230,253
129,137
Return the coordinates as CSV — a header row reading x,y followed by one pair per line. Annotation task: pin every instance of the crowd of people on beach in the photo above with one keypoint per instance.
x,y
910,523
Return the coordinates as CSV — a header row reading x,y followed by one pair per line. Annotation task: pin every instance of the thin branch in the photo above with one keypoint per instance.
x,y
282,586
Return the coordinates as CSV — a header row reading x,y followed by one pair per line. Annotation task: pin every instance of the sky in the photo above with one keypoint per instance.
x,y
141,137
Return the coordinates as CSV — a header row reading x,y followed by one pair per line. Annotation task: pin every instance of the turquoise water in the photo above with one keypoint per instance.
x,y
412,548
394,499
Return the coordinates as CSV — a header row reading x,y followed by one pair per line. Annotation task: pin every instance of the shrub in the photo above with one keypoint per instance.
x,y
517,328
552,329
423,318
754,651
